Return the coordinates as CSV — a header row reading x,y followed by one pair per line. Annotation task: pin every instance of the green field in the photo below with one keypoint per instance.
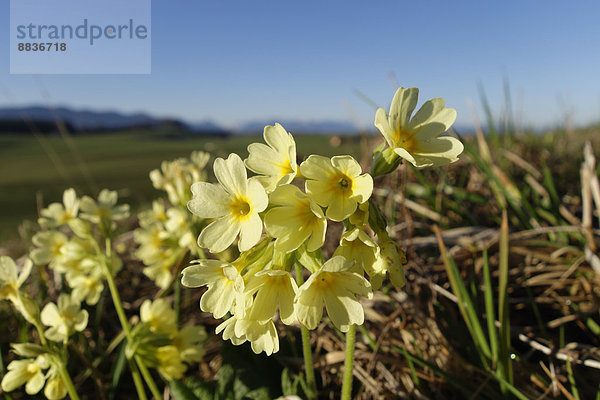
x,y
35,171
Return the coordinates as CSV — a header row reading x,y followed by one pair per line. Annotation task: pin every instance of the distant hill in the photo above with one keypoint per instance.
x,y
85,121
81,121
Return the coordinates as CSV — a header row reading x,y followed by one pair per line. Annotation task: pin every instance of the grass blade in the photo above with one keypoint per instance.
x,y
465,303
574,390
489,309
504,355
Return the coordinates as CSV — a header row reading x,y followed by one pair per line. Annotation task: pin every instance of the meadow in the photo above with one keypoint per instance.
x,y
503,275
36,170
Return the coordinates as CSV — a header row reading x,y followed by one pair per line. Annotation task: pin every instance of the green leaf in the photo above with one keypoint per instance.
x,y
180,391
258,394
226,376
202,390
28,349
287,386
119,368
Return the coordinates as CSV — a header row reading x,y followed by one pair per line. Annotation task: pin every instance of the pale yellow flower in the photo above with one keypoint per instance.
x,y
159,250
296,220
235,203
170,364
261,335
158,214
273,288
225,286
337,184
10,282
87,287
360,218
393,258
49,247
178,225
159,315
28,372
275,162
417,139
55,388
189,342
336,286
65,319
59,214
77,257
105,209
175,177
358,246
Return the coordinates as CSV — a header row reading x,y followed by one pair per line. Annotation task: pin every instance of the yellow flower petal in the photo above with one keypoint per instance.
x,y
231,173
209,200
219,234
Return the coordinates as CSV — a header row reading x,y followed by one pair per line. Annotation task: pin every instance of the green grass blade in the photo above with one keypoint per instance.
x,y
411,365
488,115
486,169
452,380
465,303
489,309
503,316
574,390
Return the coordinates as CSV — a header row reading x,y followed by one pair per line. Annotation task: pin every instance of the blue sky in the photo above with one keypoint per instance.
x,y
233,61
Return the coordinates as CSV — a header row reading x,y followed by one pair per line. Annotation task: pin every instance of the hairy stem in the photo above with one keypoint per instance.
x,y
347,383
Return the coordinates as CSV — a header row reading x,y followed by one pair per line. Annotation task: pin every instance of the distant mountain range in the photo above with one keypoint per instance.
x,y
83,121
92,121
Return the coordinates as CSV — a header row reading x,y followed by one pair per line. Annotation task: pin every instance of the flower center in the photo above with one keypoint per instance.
x,y
324,281
344,184
285,168
405,141
240,207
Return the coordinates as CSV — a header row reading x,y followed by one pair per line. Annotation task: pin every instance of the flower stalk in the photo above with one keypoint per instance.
x,y
348,361
64,374
125,324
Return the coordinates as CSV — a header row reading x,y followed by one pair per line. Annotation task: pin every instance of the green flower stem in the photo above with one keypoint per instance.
x,y
177,301
124,323
137,380
64,374
148,378
41,334
306,350
117,302
347,383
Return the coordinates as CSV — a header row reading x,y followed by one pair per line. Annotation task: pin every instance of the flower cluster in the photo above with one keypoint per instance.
x,y
63,320
279,218
175,177
259,283
76,242
70,247
29,371
161,344
166,233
